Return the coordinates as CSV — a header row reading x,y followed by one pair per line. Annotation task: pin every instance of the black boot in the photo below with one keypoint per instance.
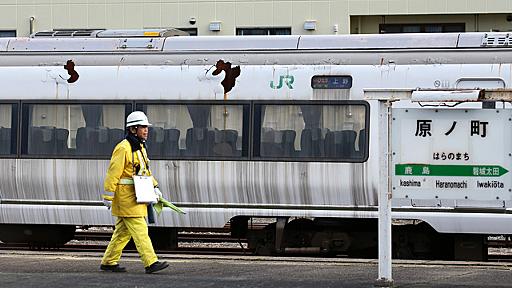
x,y
155,267
112,268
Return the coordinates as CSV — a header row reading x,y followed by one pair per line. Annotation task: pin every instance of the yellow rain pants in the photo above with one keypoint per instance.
x,y
126,228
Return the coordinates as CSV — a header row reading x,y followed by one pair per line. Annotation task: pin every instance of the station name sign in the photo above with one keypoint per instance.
x,y
452,153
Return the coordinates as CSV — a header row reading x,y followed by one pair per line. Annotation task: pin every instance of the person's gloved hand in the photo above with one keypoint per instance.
x,y
107,198
107,203
158,193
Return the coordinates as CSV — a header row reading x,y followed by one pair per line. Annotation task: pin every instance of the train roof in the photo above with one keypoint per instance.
x,y
119,43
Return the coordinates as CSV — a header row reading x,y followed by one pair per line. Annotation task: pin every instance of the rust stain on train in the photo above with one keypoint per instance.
x,y
231,73
70,67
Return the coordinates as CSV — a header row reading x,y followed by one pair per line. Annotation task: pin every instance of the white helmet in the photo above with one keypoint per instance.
x,y
137,118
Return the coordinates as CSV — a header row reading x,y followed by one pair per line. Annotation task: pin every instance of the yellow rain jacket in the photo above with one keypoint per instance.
x,y
124,203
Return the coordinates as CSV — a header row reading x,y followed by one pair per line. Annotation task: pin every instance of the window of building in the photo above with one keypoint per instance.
x,y
422,28
76,129
264,31
7,129
333,131
7,33
193,130
190,31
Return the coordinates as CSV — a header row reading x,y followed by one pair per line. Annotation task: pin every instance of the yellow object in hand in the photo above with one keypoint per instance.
x,y
164,203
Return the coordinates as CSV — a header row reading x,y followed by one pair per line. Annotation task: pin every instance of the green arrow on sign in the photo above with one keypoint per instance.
x,y
450,170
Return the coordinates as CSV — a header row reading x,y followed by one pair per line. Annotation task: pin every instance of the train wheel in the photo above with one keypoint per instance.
x,y
421,241
263,242
299,233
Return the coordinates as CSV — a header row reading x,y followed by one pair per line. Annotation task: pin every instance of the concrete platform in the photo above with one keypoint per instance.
x,y
65,269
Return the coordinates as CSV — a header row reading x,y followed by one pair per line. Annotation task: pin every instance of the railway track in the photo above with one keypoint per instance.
x,y
182,237
196,241
71,247
211,242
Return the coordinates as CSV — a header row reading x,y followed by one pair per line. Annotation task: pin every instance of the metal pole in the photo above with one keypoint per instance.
x,y
385,279
31,26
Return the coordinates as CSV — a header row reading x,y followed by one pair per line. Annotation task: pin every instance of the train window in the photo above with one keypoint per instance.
x,y
7,129
197,130
74,129
335,131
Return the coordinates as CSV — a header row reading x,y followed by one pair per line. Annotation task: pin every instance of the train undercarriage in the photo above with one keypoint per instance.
x,y
357,238
328,237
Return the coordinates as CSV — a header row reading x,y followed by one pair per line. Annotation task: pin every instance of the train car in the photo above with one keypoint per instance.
x,y
245,129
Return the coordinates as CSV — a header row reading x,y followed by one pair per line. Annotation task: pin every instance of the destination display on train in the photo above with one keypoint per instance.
x,y
331,82
459,154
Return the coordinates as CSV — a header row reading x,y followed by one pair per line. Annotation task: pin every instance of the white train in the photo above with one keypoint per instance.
x,y
244,128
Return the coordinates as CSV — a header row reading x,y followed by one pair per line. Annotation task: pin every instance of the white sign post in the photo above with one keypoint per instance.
x,y
385,279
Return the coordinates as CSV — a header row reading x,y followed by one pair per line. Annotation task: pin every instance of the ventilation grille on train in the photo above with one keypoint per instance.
x,y
68,33
496,39
111,33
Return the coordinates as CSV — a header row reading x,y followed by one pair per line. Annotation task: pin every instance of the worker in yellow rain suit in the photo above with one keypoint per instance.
x,y
129,158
